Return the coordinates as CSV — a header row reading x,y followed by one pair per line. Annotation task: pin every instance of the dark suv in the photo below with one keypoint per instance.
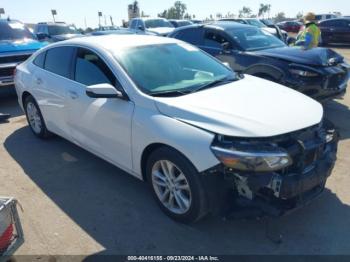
x,y
54,32
320,72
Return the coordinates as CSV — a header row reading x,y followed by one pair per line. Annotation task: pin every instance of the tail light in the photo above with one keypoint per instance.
x,y
11,234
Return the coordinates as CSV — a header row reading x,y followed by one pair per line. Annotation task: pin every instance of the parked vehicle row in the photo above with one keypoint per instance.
x,y
168,113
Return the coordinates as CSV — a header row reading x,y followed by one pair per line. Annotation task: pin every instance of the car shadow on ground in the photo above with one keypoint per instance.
x,y
339,114
9,105
118,211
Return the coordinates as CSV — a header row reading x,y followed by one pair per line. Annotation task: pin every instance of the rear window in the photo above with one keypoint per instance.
x,y
58,60
40,60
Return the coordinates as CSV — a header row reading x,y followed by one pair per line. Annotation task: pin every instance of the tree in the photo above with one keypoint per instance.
x,y
263,9
175,12
299,15
245,12
281,16
163,14
180,9
218,15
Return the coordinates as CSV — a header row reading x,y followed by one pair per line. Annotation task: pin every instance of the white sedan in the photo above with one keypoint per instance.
x,y
170,114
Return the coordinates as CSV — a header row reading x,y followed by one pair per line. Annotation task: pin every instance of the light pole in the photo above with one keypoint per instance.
x,y
99,19
53,12
2,11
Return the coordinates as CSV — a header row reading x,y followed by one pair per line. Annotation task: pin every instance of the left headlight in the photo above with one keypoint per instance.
x,y
303,73
259,160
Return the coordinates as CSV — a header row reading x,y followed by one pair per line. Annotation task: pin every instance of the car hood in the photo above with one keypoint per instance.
x,y
251,107
161,30
23,45
315,56
57,38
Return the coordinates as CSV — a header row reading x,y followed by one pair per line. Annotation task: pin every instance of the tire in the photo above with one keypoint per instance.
x,y
35,119
188,185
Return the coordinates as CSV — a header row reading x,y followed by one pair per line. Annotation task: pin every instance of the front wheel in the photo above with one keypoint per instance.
x,y
176,185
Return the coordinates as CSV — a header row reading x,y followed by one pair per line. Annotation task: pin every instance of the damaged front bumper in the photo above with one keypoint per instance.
x,y
278,193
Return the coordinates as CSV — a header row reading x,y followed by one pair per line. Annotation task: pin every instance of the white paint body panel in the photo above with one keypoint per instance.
x,y
119,131
251,107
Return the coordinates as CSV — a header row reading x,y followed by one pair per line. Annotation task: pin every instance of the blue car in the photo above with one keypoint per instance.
x,y
320,73
17,43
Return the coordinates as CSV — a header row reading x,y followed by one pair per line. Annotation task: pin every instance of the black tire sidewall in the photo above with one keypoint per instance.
x,y
198,203
44,132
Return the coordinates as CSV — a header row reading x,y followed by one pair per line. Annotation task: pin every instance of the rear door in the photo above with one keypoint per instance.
x,y
101,125
50,82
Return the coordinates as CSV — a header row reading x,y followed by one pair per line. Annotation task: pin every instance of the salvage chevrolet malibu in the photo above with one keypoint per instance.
x,y
168,113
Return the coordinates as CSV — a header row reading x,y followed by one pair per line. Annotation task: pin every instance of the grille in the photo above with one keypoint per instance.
x,y
14,59
8,71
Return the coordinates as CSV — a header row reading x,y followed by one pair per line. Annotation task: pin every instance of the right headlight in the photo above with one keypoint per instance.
x,y
256,160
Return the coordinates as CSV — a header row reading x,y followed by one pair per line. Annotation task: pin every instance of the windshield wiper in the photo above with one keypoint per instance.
x,y
169,93
216,83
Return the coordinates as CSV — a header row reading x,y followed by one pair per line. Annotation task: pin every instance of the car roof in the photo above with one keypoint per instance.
x,y
219,24
336,19
114,43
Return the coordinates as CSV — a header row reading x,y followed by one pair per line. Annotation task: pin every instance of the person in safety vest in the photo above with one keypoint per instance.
x,y
310,36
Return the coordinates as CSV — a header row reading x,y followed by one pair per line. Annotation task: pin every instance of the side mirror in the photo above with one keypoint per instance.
x,y
140,27
103,91
42,36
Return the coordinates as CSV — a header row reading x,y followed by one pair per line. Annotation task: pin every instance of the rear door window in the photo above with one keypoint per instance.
x,y
59,60
40,60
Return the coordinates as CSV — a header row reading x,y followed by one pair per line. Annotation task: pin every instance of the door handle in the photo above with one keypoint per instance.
x,y
38,81
73,95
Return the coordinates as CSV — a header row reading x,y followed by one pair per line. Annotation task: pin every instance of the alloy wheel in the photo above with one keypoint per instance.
x,y
171,187
34,117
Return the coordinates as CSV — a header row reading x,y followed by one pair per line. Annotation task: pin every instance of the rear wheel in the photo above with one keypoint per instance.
x,y
176,185
35,118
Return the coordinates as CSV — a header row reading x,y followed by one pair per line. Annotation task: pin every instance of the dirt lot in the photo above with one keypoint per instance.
x,y
75,203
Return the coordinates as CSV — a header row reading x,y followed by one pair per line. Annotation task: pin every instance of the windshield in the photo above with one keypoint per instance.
x,y
184,23
171,67
252,39
62,30
153,23
14,31
256,22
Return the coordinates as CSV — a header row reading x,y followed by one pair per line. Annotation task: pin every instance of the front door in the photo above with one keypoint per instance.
x,y
101,125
